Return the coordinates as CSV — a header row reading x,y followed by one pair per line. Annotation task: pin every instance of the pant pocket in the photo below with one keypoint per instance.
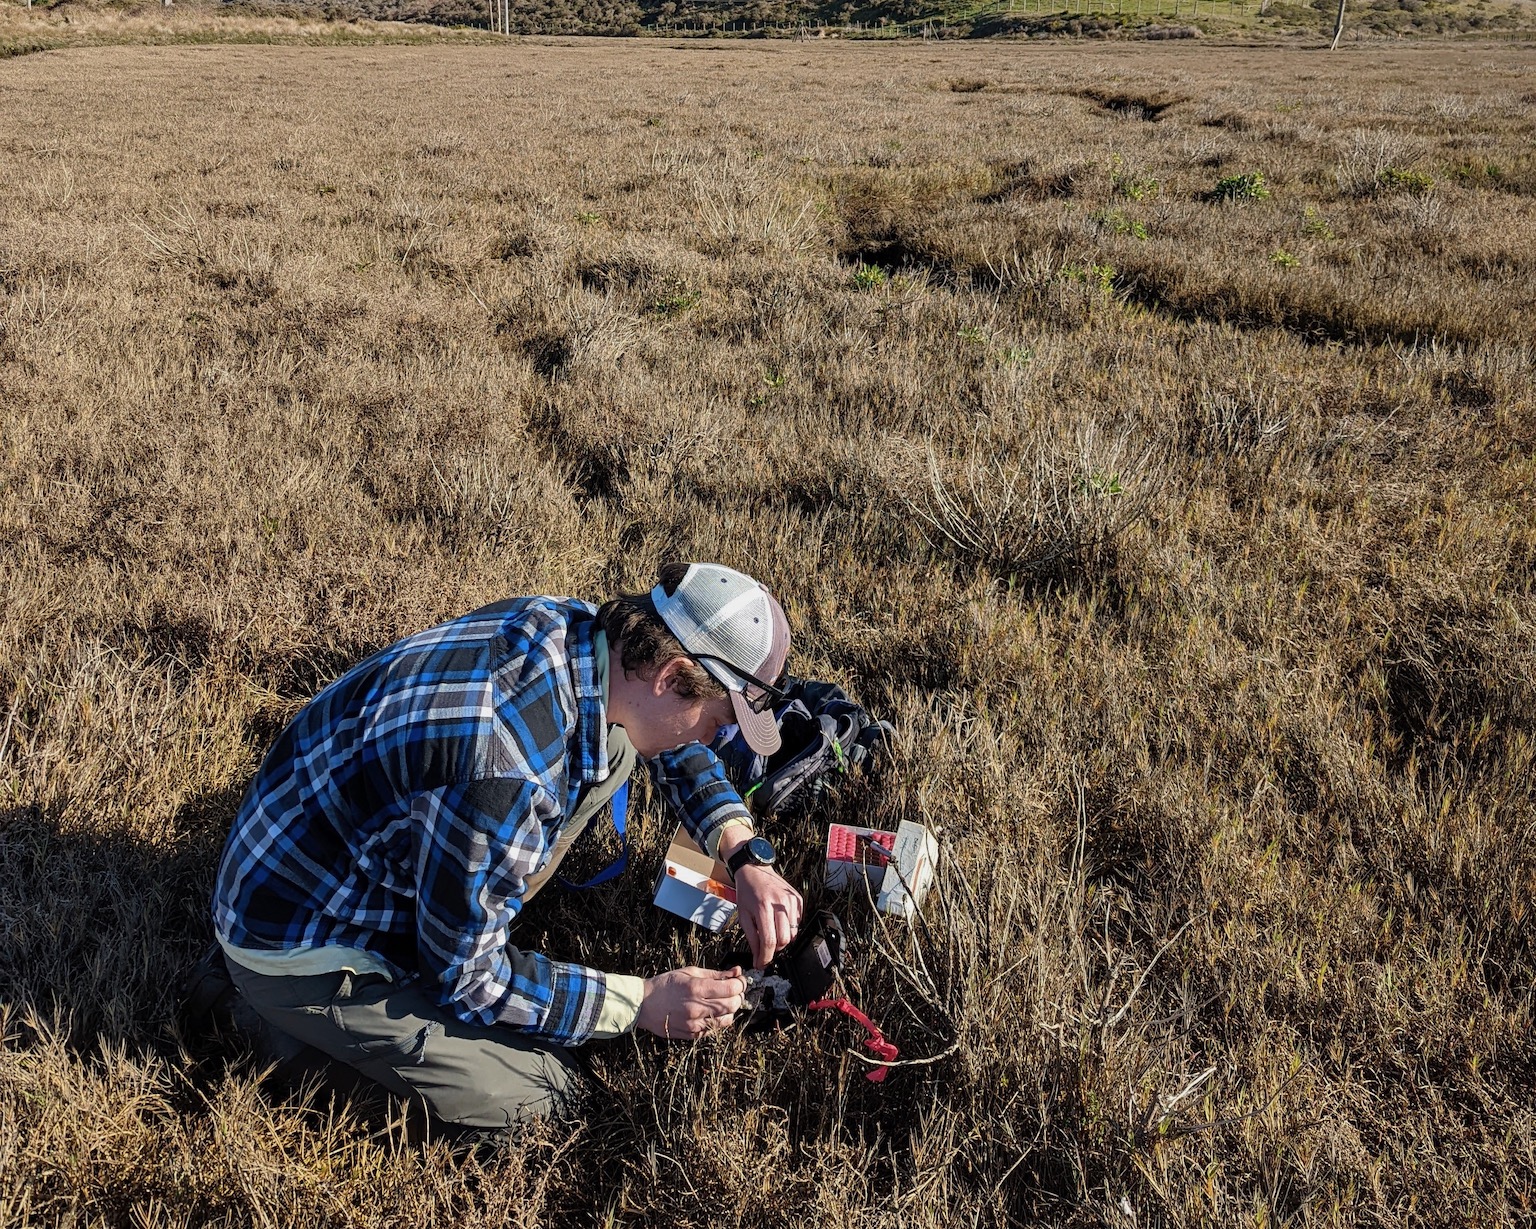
x,y
408,1050
360,987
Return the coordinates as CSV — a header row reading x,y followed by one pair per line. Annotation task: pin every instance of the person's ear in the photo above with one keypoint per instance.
x,y
667,677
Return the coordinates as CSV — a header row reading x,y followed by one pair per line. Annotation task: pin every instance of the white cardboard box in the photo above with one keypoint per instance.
x,y
695,886
917,857
911,853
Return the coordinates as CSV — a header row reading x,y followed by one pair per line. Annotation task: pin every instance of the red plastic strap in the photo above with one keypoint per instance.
x,y
875,1042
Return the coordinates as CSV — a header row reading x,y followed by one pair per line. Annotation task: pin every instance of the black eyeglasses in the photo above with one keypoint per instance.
x,y
767,693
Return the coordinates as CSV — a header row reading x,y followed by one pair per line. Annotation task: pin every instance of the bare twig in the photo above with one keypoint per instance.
x,y
1145,973
5,736
1181,1129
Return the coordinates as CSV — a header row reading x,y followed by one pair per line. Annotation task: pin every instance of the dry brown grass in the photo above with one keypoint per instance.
x,y
1198,581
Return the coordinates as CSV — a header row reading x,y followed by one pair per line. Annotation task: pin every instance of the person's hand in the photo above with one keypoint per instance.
x,y
769,910
686,1004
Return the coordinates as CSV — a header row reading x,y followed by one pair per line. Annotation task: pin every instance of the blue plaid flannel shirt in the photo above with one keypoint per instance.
x,y
403,809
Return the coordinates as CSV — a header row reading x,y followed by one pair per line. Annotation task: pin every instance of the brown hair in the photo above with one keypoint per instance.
x,y
644,644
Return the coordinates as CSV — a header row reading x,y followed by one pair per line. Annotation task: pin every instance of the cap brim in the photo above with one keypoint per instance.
x,y
759,729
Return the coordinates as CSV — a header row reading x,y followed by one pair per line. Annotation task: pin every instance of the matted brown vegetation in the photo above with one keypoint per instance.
x,y
1148,432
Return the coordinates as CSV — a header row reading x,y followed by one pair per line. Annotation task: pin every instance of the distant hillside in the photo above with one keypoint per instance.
x,y
956,19
58,22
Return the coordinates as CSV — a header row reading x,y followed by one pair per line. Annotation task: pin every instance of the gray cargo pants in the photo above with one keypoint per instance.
x,y
466,1075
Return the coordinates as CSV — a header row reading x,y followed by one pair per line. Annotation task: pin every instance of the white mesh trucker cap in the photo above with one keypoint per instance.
x,y
737,631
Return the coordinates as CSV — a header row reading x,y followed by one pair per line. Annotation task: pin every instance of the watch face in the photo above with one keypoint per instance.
x,y
761,851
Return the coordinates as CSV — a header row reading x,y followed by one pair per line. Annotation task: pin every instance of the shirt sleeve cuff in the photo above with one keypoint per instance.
x,y
621,1006
712,842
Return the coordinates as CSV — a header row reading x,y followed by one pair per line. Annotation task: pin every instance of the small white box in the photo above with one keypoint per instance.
x,y
910,873
695,886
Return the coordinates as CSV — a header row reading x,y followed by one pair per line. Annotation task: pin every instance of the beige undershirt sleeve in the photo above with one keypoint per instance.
x,y
714,837
621,1006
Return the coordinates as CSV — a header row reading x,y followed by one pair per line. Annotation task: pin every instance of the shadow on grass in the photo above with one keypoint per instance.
x,y
99,926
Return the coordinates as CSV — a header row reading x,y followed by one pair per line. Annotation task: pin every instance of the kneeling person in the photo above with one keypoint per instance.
x,y
369,886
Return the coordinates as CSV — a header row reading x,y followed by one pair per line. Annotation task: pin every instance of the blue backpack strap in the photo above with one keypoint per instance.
x,y
615,868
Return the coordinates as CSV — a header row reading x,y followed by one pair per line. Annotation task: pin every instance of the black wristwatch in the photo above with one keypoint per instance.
x,y
756,852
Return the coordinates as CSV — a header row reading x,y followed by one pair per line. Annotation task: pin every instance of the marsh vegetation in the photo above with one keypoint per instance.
x,y
1148,432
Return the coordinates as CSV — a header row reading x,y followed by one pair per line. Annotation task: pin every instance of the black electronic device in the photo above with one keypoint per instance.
x,y
804,972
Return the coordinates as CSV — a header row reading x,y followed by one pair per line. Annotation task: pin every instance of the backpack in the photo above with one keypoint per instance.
x,y
824,735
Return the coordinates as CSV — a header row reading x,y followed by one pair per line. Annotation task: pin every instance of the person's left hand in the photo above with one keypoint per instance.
x,y
769,910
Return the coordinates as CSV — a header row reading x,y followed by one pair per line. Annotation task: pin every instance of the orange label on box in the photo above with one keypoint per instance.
x,y
713,886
